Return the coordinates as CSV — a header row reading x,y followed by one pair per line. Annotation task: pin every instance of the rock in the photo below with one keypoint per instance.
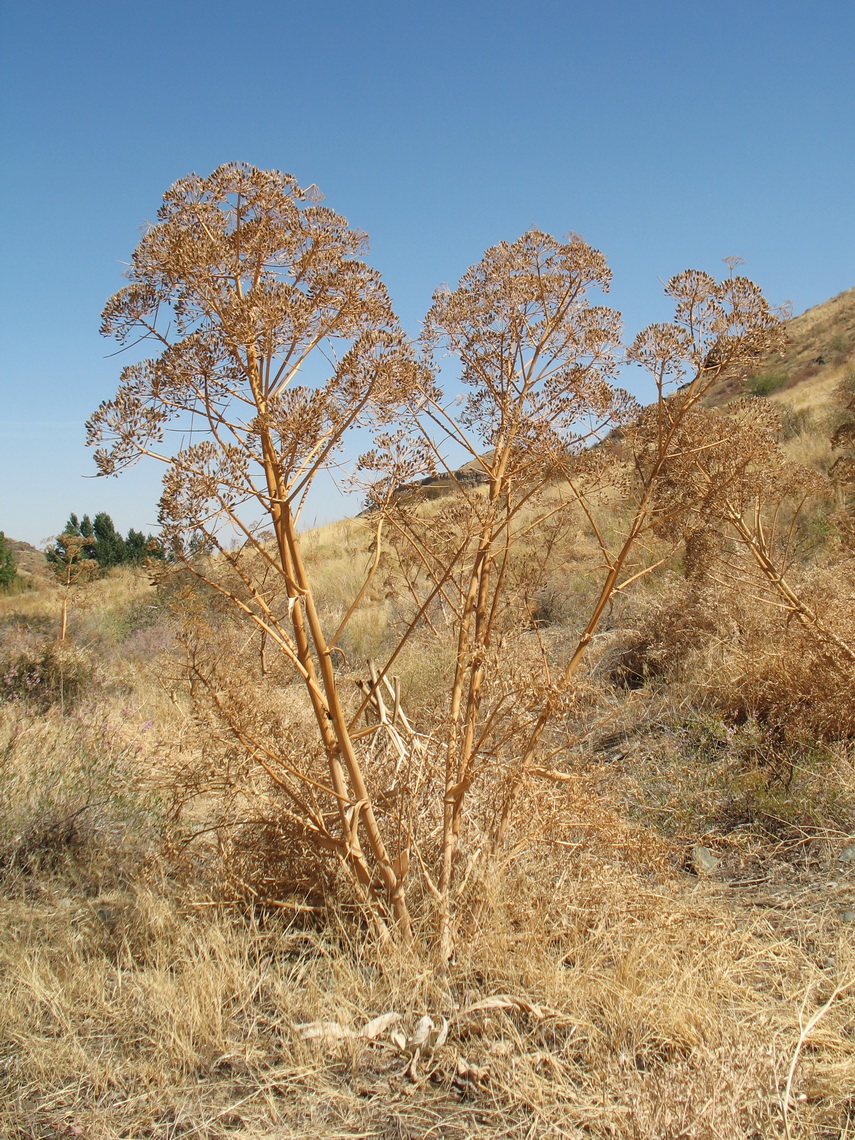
x,y
703,860
847,916
847,855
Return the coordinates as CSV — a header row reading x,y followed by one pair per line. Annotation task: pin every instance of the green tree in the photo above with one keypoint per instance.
x,y
87,532
109,547
103,544
136,547
139,547
8,570
80,528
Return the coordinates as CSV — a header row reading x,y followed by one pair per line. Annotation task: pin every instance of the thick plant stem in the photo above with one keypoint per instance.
x,y
329,714
363,809
453,793
63,625
470,674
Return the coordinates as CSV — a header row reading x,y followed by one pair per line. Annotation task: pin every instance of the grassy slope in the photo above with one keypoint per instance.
x,y
820,352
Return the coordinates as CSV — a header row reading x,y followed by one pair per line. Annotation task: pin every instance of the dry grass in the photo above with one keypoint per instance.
x,y
636,1005
630,999
116,591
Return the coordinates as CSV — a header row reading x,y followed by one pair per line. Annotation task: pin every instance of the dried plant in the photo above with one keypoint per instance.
x,y
738,503
274,341
843,468
245,285
537,364
72,570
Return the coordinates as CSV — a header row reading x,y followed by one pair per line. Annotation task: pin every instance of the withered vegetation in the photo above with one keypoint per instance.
x,y
521,804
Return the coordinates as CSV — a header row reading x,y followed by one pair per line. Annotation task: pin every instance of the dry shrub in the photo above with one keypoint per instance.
x,y
538,355
784,674
74,792
224,789
696,778
251,722
743,719
654,632
44,672
734,650
248,722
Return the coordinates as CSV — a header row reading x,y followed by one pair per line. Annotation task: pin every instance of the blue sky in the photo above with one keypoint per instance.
x,y
668,134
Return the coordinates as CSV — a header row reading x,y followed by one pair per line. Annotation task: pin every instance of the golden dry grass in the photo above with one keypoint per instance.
x,y
625,1004
605,992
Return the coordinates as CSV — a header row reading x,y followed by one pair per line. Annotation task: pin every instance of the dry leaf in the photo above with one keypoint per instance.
x,y
378,1025
503,1001
543,1058
421,1033
475,1074
324,1031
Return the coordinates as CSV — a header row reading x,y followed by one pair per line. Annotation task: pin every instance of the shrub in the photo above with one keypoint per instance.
x,y
249,278
768,382
71,787
44,672
8,570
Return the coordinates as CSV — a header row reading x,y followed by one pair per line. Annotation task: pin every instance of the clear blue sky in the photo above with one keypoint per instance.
x,y
667,134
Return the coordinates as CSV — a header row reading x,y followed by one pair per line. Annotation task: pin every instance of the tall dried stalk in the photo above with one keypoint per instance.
x,y
245,285
733,494
537,361
72,569
718,329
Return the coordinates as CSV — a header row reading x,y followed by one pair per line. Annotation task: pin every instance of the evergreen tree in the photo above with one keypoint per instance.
x,y
86,531
100,542
135,547
109,546
8,572
139,547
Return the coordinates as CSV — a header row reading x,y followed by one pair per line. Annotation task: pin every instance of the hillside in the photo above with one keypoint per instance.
x,y
819,353
29,562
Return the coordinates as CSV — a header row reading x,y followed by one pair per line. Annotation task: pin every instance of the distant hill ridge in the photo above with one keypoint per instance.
x,y
29,562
